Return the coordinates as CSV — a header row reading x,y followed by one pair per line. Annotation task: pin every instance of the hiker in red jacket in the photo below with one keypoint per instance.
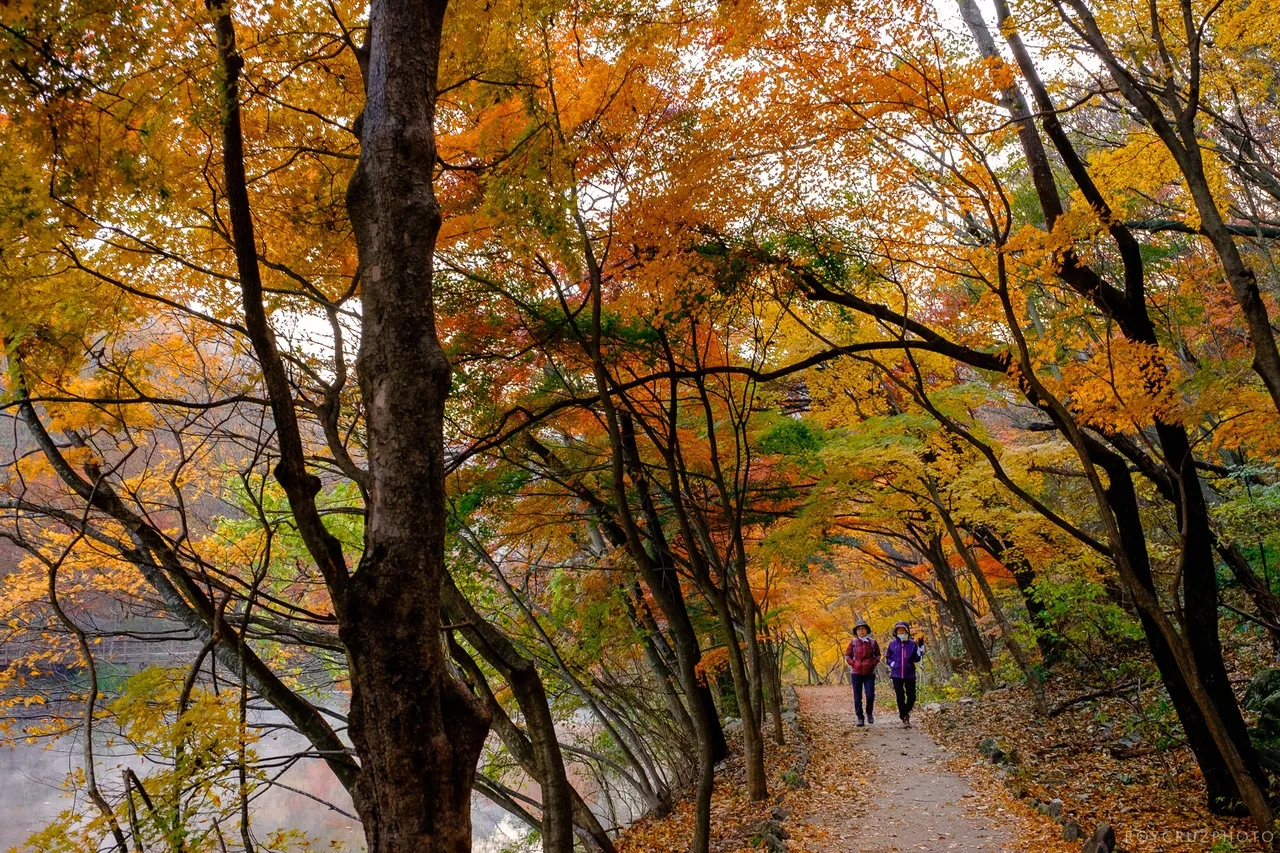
x,y
862,656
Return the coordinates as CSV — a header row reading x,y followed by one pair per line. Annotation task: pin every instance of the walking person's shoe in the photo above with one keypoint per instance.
x,y
871,720
906,721
860,723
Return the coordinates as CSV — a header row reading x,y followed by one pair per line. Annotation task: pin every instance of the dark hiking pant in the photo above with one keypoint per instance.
x,y
905,691
864,684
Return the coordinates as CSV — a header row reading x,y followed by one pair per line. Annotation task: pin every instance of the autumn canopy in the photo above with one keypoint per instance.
x,y
512,400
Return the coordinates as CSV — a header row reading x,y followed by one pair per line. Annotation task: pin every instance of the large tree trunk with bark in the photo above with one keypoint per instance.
x,y
417,730
1200,598
1222,791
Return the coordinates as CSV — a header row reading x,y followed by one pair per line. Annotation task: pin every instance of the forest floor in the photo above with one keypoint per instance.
x,y
1085,755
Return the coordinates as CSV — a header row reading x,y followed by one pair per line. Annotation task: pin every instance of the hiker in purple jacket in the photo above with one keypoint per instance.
x,y
904,653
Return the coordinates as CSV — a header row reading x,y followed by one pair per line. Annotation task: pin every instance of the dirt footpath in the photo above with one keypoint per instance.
x,y
885,789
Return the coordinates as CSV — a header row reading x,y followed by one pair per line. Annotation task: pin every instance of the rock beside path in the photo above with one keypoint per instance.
x,y
1103,840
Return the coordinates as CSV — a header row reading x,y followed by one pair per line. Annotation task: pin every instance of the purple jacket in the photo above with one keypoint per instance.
x,y
902,658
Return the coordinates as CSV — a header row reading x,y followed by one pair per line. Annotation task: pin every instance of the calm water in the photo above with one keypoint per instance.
x,y
31,795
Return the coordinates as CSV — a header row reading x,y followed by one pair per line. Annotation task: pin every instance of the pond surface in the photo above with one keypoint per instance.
x,y
31,795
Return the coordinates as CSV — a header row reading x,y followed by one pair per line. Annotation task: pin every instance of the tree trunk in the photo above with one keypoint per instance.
x,y
1200,668
735,573
417,731
997,610
805,650
526,685
662,673
773,683
663,572
938,642
1024,575
1200,596
969,635
1222,792
538,753
1006,627
663,583
752,741
648,781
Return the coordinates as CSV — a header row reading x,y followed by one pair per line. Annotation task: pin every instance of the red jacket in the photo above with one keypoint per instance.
x,y
863,655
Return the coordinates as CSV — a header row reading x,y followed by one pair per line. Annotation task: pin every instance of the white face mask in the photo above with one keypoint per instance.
x,y
901,636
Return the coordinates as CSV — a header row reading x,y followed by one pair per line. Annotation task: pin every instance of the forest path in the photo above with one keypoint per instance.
x,y
886,789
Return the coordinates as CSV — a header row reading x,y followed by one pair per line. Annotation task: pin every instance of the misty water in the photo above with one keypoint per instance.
x,y
31,795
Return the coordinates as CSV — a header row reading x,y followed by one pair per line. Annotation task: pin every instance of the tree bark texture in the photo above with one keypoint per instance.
x,y
1222,791
417,730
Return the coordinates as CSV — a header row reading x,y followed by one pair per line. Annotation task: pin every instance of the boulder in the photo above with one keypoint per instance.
x,y
997,756
1263,698
1268,725
1054,808
933,707
1263,686
1268,749
1103,840
1017,787
771,836
1071,831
